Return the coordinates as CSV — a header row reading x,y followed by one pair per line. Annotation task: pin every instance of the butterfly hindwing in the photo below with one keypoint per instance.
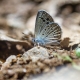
x,y
51,33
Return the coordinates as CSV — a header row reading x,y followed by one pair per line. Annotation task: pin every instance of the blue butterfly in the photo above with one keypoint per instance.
x,y
46,30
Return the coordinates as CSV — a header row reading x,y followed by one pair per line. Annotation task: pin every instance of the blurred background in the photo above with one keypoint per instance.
x,y
18,17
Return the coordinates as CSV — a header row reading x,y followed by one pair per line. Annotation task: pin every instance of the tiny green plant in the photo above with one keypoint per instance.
x,y
77,52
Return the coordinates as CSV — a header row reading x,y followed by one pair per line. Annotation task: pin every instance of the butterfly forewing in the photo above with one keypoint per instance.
x,y
42,20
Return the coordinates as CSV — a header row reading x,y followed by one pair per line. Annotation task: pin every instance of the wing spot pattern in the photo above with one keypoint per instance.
x,y
43,20
47,19
47,23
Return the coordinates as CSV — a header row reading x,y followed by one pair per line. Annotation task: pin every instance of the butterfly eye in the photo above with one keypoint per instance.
x,y
33,40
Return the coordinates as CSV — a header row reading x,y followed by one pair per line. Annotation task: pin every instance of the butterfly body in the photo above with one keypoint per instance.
x,y
46,30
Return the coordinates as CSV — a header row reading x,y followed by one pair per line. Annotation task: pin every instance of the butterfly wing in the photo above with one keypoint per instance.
x,y
42,20
51,33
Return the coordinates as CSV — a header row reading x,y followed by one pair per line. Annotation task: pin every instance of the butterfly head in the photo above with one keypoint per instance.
x,y
38,41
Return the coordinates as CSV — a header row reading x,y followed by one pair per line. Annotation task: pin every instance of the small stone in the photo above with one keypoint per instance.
x,y
8,62
36,53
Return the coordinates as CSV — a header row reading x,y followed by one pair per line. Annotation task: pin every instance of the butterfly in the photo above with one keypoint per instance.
x,y
47,32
